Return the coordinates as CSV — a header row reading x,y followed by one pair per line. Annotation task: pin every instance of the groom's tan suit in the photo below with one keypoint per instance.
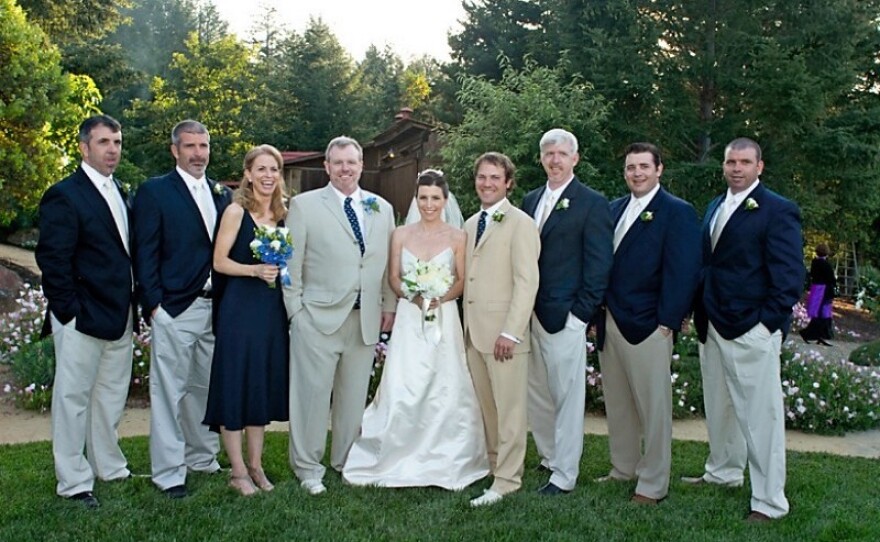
x,y
331,342
499,293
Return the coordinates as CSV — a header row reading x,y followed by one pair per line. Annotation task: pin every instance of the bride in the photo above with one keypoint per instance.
x,y
424,428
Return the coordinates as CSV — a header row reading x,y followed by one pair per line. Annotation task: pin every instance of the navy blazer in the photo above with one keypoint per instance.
x,y
86,270
173,251
576,253
655,268
756,273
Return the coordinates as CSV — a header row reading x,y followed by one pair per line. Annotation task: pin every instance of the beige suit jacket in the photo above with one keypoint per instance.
x,y
327,270
501,279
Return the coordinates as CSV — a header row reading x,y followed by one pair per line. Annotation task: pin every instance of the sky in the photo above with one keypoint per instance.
x,y
411,27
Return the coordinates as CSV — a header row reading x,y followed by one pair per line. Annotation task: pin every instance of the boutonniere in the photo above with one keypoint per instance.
x,y
371,205
751,204
126,187
563,204
218,189
497,216
647,216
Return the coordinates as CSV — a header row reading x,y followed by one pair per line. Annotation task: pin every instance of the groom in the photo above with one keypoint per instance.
x,y
337,302
502,279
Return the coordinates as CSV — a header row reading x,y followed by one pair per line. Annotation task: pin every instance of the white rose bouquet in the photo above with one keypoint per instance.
x,y
273,245
427,279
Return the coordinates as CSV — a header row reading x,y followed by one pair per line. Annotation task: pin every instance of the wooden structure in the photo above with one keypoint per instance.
x,y
392,160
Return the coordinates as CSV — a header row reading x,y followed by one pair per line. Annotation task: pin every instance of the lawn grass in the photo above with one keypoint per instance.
x,y
832,498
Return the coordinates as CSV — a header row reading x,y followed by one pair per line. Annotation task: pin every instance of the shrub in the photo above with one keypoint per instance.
x,y
820,395
866,355
829,396
23,325
868,297
33,360
33,370
687,388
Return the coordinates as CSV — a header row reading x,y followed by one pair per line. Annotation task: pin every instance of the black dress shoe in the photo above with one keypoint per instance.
x,y
175,492
552,489
87,498
823,342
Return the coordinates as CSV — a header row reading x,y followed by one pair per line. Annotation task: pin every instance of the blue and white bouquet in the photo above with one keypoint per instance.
x,y
273,245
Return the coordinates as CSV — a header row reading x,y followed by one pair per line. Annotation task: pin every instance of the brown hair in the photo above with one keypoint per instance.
x,y
499,160
244,196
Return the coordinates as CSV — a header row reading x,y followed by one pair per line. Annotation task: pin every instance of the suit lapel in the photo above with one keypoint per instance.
x,y
618,206
707,222
332,204
490,228
640,225
741,213
531,206
369,219
215,197
96,201
556,214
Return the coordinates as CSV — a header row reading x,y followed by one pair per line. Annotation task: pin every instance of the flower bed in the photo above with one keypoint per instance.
x,y
33,360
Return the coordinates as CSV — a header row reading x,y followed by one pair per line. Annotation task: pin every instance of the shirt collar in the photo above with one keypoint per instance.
x,y
494,208
356,196
558,192
737,199
646,199
95,176
190,181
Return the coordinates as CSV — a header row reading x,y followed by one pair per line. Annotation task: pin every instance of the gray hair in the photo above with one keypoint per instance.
x,y
558,136
188,126
344,141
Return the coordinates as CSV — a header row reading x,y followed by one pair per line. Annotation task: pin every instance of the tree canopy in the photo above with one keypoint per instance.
x,y
40,108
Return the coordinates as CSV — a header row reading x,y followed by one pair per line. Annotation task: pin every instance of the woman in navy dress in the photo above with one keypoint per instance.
x,y
249,374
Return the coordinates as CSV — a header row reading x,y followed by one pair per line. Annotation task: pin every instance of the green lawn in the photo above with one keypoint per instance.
x,y
832,498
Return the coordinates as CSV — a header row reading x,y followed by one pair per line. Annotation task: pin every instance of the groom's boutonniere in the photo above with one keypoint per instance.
x,y
371,205
219,189
126,187
751,204
647,216
563,204
497,216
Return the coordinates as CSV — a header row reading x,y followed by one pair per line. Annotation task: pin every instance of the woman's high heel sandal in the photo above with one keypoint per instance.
x,y
243,484
259,478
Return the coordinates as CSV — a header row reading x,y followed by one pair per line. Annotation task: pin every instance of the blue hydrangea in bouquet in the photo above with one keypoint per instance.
x,y
273,245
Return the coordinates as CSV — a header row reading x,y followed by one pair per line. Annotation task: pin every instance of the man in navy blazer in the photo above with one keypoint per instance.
x,y
574,263
83,253
752,275
174,223
656,264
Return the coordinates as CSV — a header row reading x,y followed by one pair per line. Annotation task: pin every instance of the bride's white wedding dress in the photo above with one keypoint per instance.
x,y
424,427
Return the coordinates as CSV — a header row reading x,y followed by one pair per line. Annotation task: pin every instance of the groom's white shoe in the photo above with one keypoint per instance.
x,y
488,497
314,487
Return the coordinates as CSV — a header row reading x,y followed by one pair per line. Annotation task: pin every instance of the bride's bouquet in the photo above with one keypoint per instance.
x,y
427,279
273,245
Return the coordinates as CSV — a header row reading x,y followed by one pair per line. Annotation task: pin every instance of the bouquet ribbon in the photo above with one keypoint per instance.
x,y
431,329
285,275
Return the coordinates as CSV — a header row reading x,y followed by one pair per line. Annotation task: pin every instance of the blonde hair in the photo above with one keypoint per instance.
x,y
244,195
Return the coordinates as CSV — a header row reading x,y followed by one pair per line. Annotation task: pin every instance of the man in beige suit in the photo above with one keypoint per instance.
x,y
338,302
499,293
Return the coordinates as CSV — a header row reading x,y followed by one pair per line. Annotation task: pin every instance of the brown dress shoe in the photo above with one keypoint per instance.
x,y
757,517
641,499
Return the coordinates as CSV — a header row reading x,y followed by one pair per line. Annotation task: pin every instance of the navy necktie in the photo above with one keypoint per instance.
x,y
481,227
353,221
